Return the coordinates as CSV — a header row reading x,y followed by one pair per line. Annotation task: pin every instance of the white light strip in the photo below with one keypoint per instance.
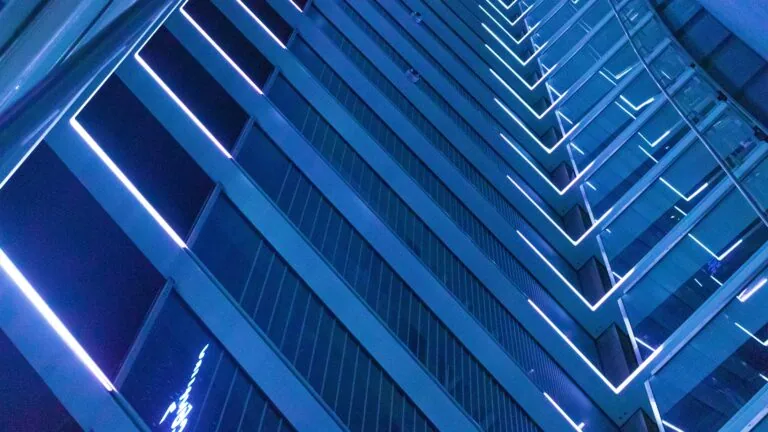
x,y
709,251
525,103
752,335
559,191
573,242
517,20
562,412
517,75
671,426
126,182
763,377
221,52
298,8
515,40
749,292
716,281
648,154
679,210
533,136
658,140
512,53
644,344
686,198
50,317
17,166
616,389
573,145
181,105
592,307
638,107
260,23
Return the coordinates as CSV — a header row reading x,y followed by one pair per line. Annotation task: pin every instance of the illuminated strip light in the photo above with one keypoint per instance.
x,y
523,101
260,23
17,166
562,412
671,426
560,192
573,145
517,75
752,335
648,154
678,193
679,210
533,136
763,377
615,389
749,292
621,74
50,317
573,242
509,5
564,117
181,105
221,52
512,53
632,116
709,251
658,140
298,8
644,344
519,17
516,41
638,107
716,281
126,182
592,307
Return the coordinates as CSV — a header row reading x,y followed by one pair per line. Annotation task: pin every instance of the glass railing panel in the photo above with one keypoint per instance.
x,y
668,66
660,208
732,138
695,100
639,154
696,267
731,360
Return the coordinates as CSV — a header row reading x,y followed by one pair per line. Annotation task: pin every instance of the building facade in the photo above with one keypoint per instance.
x,y
397,215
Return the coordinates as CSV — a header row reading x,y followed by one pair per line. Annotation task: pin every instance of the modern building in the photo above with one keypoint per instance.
x,y
394,215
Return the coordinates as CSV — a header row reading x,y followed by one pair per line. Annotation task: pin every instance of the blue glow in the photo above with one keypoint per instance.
x,y
182,407
749,292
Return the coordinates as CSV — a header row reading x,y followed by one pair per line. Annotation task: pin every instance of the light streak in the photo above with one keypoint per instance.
x,y
517,75
752,335
749,292
680,194
512,53
181,105
709,251
562,412
533,136
615,389
573,242
525,103
126,182
261,24
50,317
516,41
592,307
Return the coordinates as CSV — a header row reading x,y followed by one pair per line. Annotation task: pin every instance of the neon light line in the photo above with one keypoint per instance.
x,y
559,191
50,317
573,242
221,51
514,2
260,23
648,154
678,193
517,75
591,186
750,334
716,281
592,307
679,210
516,41
573,145
533,136
512,53
517,20
564,117
126,182
298,8
763,377
523,101
749,292
658,140
562,412
671,426
615,389
644,344
709,251
638,107
181,105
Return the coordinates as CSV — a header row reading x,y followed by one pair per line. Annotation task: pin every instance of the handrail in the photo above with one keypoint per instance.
x,y
24,125
750,200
